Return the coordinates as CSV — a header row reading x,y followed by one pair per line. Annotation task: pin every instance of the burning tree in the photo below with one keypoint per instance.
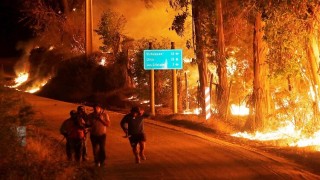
x,y
291,35
110,29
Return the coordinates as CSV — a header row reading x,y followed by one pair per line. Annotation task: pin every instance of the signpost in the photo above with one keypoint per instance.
x,y
162,59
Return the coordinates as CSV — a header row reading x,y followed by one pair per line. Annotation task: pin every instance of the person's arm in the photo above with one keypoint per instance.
x,y
123,124
144,114
108,122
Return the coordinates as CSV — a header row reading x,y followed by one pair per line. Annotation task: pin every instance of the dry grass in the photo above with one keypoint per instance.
x,y
41,158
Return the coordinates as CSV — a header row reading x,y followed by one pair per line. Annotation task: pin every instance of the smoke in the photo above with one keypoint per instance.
x,y
145,19
23,64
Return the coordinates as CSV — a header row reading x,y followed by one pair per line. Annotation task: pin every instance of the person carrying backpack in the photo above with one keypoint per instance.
x,y
133,126
73,130
98,120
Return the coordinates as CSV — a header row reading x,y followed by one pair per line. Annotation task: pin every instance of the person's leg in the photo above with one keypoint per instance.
x,y
78,149
84,150
142,145
73,143
136,153
134,145
68,149
102,152
95,148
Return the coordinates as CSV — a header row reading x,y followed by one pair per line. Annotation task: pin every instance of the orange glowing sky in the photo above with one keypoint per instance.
x,y
142,22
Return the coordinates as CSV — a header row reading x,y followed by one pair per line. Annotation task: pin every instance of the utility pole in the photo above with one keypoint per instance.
x,y
89,27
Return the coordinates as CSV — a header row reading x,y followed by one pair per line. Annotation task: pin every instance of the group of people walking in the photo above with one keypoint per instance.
x,y
79,124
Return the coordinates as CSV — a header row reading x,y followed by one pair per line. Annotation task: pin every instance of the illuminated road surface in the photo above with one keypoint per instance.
x,y
174,155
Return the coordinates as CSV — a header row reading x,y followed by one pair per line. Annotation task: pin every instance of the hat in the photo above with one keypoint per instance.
x,y
80,108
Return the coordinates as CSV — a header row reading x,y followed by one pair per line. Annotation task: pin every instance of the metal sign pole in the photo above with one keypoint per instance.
x,y
174,87
163,59
152,91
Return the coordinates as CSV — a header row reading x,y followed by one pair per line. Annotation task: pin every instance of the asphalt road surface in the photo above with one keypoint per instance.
x,y
172,154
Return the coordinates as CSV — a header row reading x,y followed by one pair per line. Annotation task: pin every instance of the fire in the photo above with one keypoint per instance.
x,y
196,111
308,141
37,86
103,61
287,132
22,77
241,110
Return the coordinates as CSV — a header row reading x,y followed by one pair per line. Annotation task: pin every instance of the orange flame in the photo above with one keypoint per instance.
x,y
241,110
36,87
22,77
288,133
288,130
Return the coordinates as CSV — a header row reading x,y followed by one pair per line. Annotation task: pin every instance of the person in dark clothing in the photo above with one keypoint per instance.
x,y
73,130
98,121
133,126
82,114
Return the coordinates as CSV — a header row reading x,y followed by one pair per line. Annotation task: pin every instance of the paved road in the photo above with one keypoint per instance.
x,y
173,154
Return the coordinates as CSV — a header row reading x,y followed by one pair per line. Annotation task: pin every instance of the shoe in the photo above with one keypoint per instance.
x,y
138,160
85,159
143,157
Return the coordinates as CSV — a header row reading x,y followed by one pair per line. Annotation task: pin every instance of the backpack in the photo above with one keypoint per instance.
x,y
77,133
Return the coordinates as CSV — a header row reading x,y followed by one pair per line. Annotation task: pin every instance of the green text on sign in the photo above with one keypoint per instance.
x,y
162,59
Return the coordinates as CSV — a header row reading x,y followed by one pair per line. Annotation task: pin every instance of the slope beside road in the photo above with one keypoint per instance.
x,y
172,153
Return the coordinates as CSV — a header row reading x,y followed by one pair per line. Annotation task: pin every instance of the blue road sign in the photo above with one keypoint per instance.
x,y
162,59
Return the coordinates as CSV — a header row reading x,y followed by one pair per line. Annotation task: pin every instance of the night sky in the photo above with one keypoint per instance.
x,y
11,30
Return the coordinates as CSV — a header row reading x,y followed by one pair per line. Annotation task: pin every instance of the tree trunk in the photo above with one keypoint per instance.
x,y
222,100
313,56
260,82
127,73
65,6
200,51
116,46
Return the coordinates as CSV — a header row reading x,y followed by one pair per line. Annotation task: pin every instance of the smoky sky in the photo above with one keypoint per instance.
x,y
144,20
